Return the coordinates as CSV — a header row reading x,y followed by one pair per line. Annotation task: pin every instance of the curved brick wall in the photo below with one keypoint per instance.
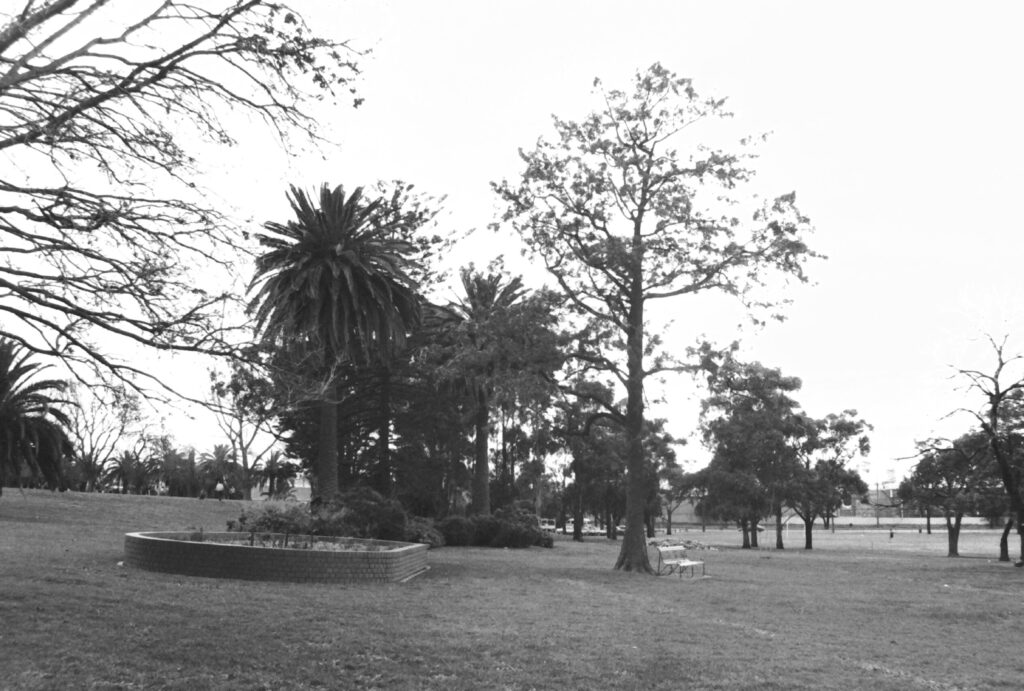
x,y
228,555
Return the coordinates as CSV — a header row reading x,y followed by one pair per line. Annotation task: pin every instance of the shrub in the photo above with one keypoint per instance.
x,y
361,512
519,528
485,531
423,530
273,517
457,531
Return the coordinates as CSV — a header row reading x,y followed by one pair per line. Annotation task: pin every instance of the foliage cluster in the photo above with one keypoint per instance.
x,y
769,454
360,512
508,527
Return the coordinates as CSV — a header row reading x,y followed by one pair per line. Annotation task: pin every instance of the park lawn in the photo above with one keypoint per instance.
x,y
860,611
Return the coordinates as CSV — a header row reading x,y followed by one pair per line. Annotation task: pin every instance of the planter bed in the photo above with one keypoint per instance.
x,y
258,557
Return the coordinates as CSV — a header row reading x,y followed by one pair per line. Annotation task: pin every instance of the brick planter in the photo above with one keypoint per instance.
x,y
229,555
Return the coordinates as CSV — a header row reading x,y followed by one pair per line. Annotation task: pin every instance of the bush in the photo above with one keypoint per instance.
x,y
274,517
485,531
361,512
423,530
457,531
519,528
510,527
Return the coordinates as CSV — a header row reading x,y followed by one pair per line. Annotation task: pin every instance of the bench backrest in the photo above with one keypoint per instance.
x,y
671,551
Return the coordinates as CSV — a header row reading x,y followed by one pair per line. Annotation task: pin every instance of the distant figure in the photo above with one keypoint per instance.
x,y
891,533
219,490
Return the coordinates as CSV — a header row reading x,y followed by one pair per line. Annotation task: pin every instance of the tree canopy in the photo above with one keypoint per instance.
x,y
621,216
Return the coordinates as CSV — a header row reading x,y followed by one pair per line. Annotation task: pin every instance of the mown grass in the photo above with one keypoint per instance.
x,y
858,612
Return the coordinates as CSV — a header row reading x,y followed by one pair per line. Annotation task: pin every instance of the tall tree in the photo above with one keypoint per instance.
x,y
621,218
99,422
498,342
334,280
108,107
242,403
999,387
33,420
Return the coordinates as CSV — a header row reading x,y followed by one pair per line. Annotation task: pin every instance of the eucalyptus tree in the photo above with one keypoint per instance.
x,y
622,218
100,422
752,425
108,111
33,418
954,478
825,480
243,405
1001,388
334,281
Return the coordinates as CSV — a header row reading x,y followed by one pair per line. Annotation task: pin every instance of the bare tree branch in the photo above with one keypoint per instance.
x,y
104,237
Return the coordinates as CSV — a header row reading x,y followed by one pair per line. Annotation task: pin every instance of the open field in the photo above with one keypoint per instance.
x,y
858,612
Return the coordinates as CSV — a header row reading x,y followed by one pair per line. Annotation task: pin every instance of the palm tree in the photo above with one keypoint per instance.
x,y
32,428
276,475
334,280
475,323
220,465
130,473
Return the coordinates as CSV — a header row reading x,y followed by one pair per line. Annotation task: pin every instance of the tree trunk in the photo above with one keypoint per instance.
x,y
382,472
633,554
668,517
778,527
1004,541
753,534
326,486
1010,482
809,532
577,515
481,471
745,529
953,531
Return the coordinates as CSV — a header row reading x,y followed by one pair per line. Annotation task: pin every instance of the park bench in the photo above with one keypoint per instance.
x,y
673,559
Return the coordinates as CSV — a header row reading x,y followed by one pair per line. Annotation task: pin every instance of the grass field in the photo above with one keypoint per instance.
x,y
860,611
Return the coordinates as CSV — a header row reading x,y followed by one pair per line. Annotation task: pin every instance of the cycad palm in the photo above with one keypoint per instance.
x,y
32,428
334,279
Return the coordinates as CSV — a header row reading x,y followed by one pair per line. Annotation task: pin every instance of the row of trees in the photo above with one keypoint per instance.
x,y
768,456
623,208
72,438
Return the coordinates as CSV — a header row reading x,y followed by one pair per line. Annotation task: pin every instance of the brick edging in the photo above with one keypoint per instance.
x,y
228,555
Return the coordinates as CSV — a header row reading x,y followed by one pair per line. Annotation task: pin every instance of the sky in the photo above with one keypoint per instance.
x,y
899,126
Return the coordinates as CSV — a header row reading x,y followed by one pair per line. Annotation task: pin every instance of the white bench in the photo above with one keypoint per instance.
x,y
673,559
